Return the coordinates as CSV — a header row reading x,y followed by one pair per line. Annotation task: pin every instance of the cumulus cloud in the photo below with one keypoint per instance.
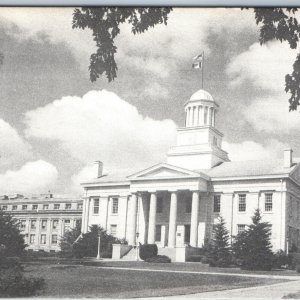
x,y
156,91
271,114
250,150
264,66
33,177
13,148
102,126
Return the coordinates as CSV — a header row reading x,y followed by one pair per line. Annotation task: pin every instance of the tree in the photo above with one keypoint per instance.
x,y
87,245
68,240
219,253
13,283
11,240
105,25
253,245
281,24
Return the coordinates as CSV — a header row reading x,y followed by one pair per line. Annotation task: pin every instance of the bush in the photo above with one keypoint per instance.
x,y
158,259
195,258
13,283
298,268
148,251
281,260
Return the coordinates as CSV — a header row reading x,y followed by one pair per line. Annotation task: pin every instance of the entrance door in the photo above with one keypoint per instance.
x,y
187,231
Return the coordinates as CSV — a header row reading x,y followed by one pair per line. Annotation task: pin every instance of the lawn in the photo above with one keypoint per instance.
x,y
88,281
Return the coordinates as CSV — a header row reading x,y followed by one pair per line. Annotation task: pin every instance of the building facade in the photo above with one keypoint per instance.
x,y
43,220
176,203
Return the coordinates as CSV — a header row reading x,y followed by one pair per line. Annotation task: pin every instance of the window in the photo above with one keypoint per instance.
x,y
188,205
115,205
14,207
113,230
159,205
23,224
54,239
68,206
33,224
158,233
291,207
4,207
240,228
24,207
217,203
187,233
43,239
242,202
79,206
32,238
67,225
44,224
96,206
45,206
55,224
268,202
34,207
56,206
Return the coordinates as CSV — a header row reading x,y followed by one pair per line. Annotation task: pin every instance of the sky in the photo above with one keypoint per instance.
x,y
55,123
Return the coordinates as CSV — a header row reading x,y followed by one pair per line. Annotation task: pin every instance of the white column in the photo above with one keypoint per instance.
x,y
194,219
88,200
208,116
213,118
200,116
132,222
192,116
106,200
205,115
188,117
196,116
172,220
152,218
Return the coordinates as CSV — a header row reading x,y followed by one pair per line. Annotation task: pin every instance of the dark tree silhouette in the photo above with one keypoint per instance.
x,y
282,24
219,254
11,241
105,25
253,246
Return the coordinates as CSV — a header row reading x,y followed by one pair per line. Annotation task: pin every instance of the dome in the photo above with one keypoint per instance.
x,y
201,95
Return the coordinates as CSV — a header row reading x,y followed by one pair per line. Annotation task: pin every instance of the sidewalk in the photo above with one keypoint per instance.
x,y
273,291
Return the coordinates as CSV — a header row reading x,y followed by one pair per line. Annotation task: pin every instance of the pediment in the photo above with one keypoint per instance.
x,y
163,171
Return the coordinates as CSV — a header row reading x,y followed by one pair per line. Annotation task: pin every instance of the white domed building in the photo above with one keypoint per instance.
x,y
174,204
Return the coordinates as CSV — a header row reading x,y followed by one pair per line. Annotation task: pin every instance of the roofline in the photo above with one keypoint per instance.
x,y
270,176
105,183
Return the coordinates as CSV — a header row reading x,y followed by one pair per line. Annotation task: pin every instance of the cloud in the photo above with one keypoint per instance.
x,y
13,148
56,23
250,150
264,66
156,91
33,177
156,51
271,115
102,126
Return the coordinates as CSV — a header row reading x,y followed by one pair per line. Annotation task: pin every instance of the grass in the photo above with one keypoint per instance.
x,y
88,281
292,296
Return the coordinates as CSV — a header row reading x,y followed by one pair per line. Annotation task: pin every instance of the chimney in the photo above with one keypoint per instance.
x,y
288,158
100,168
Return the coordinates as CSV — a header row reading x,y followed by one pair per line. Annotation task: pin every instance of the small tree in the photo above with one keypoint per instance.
x,y
10,236
68,240
13,283
219,252
253,245
88,245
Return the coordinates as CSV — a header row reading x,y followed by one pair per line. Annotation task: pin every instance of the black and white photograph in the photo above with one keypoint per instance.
x,y
150,152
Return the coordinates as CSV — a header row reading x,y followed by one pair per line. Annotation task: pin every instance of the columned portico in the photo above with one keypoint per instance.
x,y
194,219
152,218
172,220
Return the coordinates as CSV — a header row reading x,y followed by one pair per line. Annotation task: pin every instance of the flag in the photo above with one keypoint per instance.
x,y
198,61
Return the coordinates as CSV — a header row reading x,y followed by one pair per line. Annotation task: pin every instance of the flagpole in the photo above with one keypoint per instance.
x,y
202,67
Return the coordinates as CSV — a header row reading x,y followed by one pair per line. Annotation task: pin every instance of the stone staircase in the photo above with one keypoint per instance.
x,y
130,256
